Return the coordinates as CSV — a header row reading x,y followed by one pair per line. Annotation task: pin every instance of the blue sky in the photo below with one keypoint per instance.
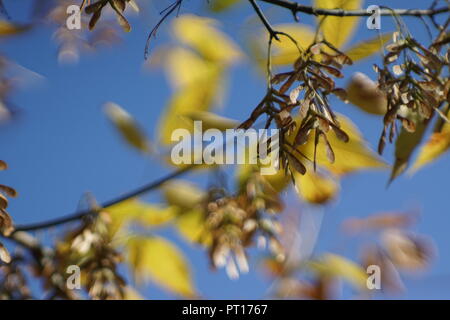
x,y
61,144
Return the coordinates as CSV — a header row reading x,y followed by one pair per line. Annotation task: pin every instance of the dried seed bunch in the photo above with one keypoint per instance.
x,y
415,81
235,222
6,224
13,283
117,5
89,247
309,84
72,42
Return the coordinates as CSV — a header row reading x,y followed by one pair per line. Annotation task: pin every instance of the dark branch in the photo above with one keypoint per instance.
x,y
295,7
272,33
78,215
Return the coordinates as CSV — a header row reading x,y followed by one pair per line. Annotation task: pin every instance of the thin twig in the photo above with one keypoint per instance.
x,y
167,12
80,214
272,32
295,7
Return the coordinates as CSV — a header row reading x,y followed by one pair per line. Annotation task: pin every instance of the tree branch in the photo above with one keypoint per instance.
x,y
80,214
272,33
295,7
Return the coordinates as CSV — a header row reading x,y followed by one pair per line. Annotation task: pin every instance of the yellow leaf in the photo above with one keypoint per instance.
x,y
197,96
405,145
438,143
222,5
127,127
350,156
140,212
162,262
182,194
367,48
284,51
338,30
131,294
9,29
332,265
191,225
203,35
315,187
184,67
212,121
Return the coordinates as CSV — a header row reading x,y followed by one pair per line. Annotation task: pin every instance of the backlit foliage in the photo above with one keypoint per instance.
x,y
122,244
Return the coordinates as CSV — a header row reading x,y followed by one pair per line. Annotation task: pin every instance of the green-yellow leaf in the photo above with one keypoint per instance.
x,y
405,145
9,29
367,48
191,225
438,143
203,35
222,5
350,156
337,266
285,51
131,294
161,261
137,211
184,67
315,187
128,128
338,30
196,96
182,194
212,121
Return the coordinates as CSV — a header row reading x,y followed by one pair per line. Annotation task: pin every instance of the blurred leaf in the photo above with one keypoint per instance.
x,y
338,30
3,165
350,156
131,294
197,96
367,48
384,220
407,251
138,211
158,259
364,93
203,35
9,29
127,127
222,5
182,194
405,145
185,67
191,225
438,143
337,266
390,278
284,51
212,121
315,187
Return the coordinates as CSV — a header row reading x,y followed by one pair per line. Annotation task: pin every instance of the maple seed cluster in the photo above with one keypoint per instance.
x,y
235,222
312,74
416,87
117,5
6,225
90,248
